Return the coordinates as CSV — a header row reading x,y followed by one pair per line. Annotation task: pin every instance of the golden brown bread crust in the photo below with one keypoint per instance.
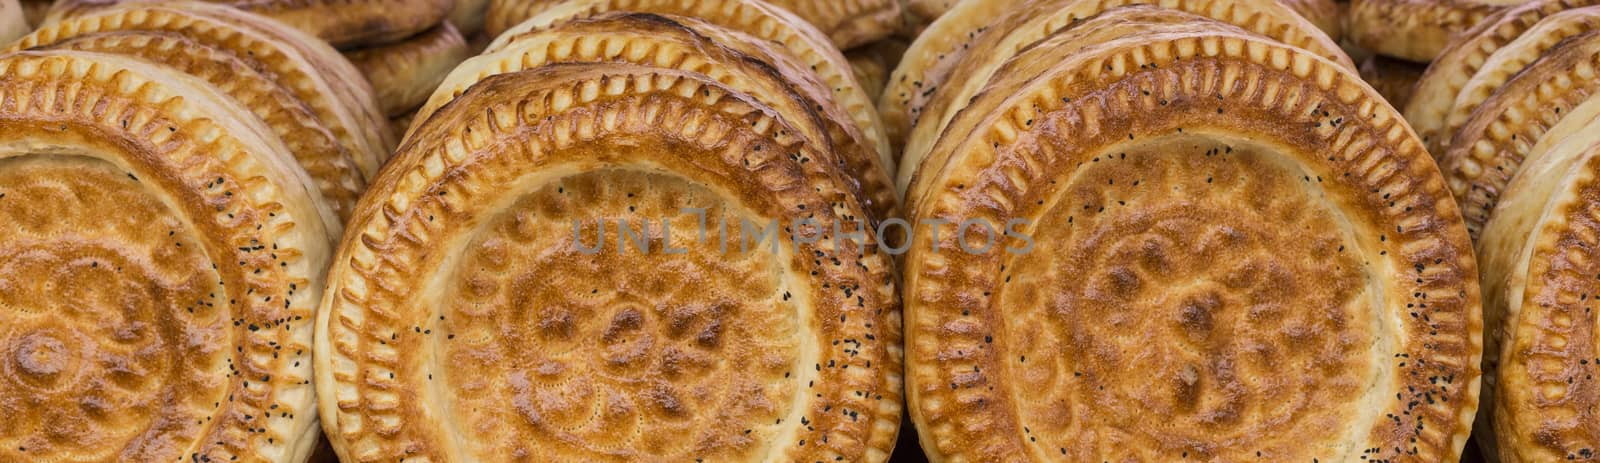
x,y
850,23
343,23
926,65
847,23
1489,148
1394,79
1324,13
404,73
929,10
162,262
1437,89
757,18
316,74
339,178
999,71
527,348
1238,248
13,22
1512,59
1414,30
1532,243
1529,249
748,65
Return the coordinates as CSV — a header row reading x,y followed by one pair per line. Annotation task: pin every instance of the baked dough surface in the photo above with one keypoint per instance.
x,y
742,62
1488,150
758,19
1537,257
343,23
469,325
925,69
308,67
1436,91
1415,30
161,259
339,178
1238,248
404,73
846,23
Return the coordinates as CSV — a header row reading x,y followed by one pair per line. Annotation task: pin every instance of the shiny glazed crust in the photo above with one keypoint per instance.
x,y
759,19
1511,59
1490,147
748,65
338,177
404,73
847,23
12,22
1414,30
1230,234
162,263
523,347
343,23
1460,60
314,72
1539,346
927,63
1395,79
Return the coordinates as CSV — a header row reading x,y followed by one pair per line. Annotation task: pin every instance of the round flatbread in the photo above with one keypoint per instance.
x,y
847,23
994,72
403,74
339,178
161,259
475,320
1436,91
756,18
762,70
1004,27
1489,148
314,72
1538,279
1415,30
1512,59
1234,252
343,23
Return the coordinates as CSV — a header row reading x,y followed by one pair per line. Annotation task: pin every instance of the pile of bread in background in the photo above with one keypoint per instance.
x,y
305,102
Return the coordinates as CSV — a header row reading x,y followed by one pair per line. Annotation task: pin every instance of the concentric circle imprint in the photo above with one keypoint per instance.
x,y
600,358
1215,266
109,335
